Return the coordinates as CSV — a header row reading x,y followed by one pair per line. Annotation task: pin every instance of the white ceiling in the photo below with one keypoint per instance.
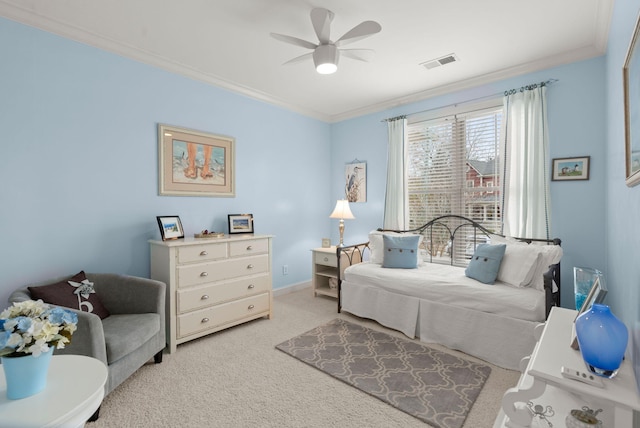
x,y
227,43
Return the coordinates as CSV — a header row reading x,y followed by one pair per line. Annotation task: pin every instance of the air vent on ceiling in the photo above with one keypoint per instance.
x,y
447,59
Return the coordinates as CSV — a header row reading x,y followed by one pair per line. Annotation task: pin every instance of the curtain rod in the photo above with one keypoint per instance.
x,y
504,93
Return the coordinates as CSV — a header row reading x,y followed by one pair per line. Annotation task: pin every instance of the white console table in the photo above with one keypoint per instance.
x,y
74,391
542,384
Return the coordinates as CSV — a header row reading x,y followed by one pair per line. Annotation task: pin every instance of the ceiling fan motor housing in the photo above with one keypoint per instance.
x,y
325,58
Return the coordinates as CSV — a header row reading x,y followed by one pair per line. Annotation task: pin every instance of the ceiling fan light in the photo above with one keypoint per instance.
x,y
326,68
325,58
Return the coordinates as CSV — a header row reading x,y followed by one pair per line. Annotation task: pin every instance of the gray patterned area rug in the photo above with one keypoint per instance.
x,y
434,386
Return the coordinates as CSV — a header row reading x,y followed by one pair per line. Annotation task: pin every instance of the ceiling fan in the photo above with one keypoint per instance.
x,y
326,53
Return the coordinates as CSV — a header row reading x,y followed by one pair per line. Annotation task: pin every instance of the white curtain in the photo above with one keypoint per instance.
x,y
396,202
525,160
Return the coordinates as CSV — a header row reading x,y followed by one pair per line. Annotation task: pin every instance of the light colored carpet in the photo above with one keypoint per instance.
x,y
236,378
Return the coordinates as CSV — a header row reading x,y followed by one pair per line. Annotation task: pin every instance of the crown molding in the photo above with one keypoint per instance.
x,y
544,64
81,35
84,36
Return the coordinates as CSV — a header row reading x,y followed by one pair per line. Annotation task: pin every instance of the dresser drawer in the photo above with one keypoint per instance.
x,y
207,295
202,253
215,316
202,273
247,248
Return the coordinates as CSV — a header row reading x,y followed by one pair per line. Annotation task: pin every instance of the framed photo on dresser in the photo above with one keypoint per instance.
x,y
240,223
170,227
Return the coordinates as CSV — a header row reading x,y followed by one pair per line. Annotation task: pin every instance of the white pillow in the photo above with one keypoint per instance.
x,y
518,265
528,264
376,246
549,255
519,262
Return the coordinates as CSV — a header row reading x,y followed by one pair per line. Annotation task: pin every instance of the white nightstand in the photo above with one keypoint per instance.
x,y
325,270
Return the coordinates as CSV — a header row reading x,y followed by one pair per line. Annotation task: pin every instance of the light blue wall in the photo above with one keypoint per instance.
x,y
78,169
622,203
577,127
79,165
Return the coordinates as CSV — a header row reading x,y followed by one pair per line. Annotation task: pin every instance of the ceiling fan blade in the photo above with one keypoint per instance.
x,y
365,55
359,32
294,41
321,20
299,58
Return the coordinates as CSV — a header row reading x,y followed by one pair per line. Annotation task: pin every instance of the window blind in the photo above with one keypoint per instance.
x,y
453,168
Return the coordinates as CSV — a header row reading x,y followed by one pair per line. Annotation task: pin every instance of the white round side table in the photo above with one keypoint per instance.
x,y
74,391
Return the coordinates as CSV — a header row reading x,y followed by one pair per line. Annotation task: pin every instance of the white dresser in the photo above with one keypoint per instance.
x,y
213,283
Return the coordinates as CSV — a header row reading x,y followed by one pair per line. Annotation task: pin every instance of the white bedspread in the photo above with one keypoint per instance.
x,y
448,285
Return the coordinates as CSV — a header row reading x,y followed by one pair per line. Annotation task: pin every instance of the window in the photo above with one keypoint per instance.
x,y
490,185
453,165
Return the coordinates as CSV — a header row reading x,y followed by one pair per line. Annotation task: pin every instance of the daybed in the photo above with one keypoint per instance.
x,y
438,303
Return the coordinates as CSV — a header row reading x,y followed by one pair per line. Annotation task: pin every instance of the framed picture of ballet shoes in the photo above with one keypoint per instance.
x,y
195,163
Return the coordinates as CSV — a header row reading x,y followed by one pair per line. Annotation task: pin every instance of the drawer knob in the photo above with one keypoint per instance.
x,y
251,307
251,286
249,248
250,266
204,253
204,274
204,320
326,259
204,297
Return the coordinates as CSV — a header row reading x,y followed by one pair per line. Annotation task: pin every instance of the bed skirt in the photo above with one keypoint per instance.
x,y
496,339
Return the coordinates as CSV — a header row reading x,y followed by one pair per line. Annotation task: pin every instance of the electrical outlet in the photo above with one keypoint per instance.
x,y
285,269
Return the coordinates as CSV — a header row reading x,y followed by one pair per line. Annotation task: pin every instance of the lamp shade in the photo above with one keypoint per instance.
x,y
342,210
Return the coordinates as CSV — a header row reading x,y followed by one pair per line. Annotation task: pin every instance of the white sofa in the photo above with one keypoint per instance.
x,y
438,303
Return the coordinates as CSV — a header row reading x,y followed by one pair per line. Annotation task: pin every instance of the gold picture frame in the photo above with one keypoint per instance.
x,y
195,163
631,82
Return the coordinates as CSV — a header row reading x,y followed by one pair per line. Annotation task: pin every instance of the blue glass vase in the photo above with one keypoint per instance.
x,y
26,376
602,338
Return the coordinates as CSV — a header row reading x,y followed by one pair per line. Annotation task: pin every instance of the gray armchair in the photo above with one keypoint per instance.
x,y
128,338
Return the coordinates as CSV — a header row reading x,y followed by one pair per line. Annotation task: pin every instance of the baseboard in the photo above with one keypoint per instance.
x,y
291,288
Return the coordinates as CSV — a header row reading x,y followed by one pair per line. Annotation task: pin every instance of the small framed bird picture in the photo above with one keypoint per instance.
x,y
355,187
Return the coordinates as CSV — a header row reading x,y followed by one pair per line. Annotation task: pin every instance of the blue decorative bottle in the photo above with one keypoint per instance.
x,y
602,338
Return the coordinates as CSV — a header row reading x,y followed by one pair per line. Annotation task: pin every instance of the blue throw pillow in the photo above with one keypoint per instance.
x,y
485,263
400,251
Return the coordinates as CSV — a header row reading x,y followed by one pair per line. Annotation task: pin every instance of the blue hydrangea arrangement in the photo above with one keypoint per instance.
x,y
32,327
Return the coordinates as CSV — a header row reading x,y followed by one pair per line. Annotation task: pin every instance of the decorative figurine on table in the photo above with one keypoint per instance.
x,y
585,418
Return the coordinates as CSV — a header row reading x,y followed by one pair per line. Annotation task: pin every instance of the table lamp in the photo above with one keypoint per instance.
x,y
342,211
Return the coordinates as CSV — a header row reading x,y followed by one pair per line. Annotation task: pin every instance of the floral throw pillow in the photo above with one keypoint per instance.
x,y
76,292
